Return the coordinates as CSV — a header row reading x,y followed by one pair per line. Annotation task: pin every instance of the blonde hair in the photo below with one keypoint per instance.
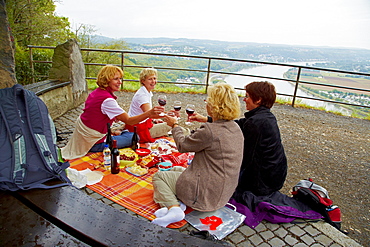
x,y
224,101
106,74
147,72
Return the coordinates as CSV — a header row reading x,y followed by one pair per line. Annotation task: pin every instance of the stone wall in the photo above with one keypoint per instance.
x,y
58,101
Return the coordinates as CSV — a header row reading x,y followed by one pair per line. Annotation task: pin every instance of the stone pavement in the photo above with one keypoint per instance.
x,y
265,234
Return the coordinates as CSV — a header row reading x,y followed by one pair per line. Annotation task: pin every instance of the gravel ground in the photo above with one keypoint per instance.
x,y
332,150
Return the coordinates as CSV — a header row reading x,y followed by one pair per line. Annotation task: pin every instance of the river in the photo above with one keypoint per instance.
x,y
283,87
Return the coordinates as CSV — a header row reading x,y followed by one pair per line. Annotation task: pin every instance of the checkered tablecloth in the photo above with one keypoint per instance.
x,y
132,192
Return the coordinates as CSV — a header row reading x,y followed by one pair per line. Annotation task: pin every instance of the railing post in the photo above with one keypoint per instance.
x,y
208,70
296,86
32,68
123,67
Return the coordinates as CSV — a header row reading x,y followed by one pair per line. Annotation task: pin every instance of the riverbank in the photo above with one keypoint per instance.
x,y
287,87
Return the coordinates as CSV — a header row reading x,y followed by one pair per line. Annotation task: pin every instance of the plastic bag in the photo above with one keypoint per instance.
x,y
230,221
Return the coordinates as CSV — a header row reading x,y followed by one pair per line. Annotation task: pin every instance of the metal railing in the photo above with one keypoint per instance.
x,y
208,71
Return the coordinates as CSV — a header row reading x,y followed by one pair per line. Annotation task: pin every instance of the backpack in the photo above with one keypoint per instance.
x,y
29,155
317,198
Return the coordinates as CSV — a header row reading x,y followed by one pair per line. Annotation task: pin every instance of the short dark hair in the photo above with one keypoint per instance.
x,y
262,90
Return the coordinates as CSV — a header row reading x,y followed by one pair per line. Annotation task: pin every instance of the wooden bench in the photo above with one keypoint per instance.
x,y
78,220
21,226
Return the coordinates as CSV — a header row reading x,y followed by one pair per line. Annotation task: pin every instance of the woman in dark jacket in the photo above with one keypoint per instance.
x,y
264,166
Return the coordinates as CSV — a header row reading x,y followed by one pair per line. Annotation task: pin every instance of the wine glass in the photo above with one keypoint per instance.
x,y
177,105
190,109
162,101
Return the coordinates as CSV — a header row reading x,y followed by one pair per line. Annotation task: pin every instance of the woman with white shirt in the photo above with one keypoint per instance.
x,y
142,102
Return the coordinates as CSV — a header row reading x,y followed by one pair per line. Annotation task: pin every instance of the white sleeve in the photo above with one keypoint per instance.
x,y
142,96
111,108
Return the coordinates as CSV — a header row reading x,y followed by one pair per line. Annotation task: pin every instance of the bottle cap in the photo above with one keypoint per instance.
x,y
105,145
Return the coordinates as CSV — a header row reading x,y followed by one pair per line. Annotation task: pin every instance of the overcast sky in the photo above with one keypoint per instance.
x,y
335,23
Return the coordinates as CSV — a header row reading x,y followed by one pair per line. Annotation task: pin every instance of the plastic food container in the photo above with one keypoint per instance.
x,y
164,166
143,151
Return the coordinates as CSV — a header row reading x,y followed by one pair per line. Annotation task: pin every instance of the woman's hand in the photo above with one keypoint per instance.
x,y
170,120
176,113
198,118
155,111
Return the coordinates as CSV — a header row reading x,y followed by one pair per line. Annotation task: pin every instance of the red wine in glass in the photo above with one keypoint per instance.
x,y
177,105
189,111
162,100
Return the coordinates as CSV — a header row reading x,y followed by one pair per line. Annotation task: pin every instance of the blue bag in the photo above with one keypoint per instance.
x,y
29,155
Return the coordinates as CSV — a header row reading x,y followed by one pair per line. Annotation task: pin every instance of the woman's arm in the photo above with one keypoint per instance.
x,y
151,113
201,139
145,107
197,117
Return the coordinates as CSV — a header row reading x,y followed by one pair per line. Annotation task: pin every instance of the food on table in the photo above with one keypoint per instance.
x,y
125,157
149,161
154,146
163,146
127,154
145,160
137,170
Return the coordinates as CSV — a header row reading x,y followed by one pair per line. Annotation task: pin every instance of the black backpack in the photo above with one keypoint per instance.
x,y
29,155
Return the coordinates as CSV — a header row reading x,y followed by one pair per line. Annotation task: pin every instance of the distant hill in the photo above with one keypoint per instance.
x,y
249,50
340,58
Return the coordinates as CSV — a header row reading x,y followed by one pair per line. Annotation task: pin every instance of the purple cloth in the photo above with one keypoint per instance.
x,y
274,208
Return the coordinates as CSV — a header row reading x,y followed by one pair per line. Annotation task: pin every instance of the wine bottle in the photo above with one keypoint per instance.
x,y
115,158
135,140
108,139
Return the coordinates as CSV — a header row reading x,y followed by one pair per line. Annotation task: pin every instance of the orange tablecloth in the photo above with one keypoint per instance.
x,y
129,191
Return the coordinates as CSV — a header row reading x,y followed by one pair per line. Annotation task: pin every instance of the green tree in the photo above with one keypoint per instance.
x,y
85,35
33,22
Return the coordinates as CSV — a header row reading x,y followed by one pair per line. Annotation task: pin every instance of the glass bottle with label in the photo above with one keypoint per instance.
x,y
135,140
115,158
108,139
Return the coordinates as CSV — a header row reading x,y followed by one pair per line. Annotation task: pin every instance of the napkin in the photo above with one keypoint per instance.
x,y
85,177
